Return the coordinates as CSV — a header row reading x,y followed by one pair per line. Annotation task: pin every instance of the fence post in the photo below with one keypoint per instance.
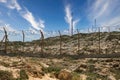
x,y
99,39
78,39
6,38
42,41
23,39
60,42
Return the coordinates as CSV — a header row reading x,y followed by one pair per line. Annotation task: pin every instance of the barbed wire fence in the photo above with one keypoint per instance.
x,y
59,42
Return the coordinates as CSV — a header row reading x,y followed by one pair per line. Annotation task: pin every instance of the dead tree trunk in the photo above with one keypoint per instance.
x,y
60,42
42,41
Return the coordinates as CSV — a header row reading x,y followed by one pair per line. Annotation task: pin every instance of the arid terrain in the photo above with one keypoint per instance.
x,y
59,39
29,68
24,61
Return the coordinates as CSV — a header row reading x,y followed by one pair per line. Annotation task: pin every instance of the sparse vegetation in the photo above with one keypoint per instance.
x,y
5,75
4,64
116,73
72,64
52,69
23,75
75,76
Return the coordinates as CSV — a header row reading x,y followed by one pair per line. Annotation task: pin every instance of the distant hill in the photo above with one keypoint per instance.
x,y
89,43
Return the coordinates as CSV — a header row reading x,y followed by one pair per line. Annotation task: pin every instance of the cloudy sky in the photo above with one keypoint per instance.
x,y
49,15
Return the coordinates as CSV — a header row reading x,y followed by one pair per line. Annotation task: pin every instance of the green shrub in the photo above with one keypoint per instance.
x,y
75,76
23,75
95,76
92,61
91,68
116,72
5,75
51,69
4,64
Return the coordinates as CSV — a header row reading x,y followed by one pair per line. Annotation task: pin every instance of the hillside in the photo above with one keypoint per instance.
x,y
25,61
88,43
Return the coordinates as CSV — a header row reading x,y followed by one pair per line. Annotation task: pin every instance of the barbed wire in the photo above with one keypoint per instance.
x,y
30,34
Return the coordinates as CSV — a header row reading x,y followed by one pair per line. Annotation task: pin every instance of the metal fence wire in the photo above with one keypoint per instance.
x,y
95,40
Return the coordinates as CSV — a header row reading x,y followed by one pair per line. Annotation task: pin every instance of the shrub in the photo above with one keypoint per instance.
x,y
23,75
91,68
64,75
95,76
5,75
4,64
51,69
92,61
116,72
75,76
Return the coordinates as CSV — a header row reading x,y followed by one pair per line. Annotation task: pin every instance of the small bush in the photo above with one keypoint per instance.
x,y
51,69
116,72
5,75
64,75
4,64
91,68
23,75
75,76
92,61
95,76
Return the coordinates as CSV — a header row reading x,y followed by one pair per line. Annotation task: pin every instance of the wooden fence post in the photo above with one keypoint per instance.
x,y
99,39
78,39
42,41
60,42
23,39
6,39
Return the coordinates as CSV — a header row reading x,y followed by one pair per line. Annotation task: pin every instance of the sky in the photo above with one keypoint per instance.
x,y
53,15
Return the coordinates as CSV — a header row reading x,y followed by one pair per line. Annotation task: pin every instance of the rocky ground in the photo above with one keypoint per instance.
x,y
30,68
24,61
88,44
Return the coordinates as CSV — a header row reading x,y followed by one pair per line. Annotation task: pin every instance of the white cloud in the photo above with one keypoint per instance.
x,y
69,17
97,4
33,31
112,22
26,14
38,25
106,12
3,1
98,8
8,28
11,4
102,11
75,23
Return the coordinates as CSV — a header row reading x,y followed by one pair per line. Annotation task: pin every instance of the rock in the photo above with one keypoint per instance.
x,y
111,77
83,77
